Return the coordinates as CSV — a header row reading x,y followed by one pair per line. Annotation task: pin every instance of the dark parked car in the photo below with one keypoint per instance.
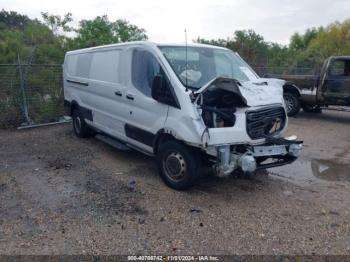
x,y
313,92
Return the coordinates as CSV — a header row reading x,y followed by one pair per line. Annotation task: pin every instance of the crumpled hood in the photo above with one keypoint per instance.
x,y
257,93
263,91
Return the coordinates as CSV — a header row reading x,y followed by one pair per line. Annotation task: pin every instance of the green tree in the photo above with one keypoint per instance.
x,y
98,31
124,31
45,42
279,55
307,50
300,42
250,45
12,20
58,24
333,40
315,45
101,31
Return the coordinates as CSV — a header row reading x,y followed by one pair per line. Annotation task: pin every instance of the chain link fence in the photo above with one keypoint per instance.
x,y
10,96
30,95
274,70
33,94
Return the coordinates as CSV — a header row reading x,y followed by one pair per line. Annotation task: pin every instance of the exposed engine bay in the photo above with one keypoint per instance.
x,y
219,99
219,105
218,108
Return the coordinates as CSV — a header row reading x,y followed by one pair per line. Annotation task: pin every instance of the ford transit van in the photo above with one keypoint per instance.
x,y
183,104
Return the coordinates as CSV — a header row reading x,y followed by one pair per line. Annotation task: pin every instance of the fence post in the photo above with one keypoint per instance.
x,y
24,96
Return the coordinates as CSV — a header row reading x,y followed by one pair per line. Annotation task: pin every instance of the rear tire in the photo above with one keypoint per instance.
x,y
312,108
292,102
81,129
178,165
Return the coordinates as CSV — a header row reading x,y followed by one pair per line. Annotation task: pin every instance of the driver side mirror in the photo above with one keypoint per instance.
x,y
161,91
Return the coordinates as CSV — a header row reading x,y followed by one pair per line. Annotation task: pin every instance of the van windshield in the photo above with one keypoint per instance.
x,y
205,64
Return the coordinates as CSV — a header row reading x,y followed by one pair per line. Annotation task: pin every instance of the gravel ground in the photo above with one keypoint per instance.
x,y
64,195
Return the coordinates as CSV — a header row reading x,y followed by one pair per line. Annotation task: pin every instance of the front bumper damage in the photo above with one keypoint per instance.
x,y
275,152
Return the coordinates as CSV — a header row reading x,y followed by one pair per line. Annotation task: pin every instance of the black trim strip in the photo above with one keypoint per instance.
x,y
77,82
281,162
67,107
86,113
130,97
118,93
139,135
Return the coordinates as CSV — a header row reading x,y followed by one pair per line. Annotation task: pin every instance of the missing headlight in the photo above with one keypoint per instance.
x,y
218,117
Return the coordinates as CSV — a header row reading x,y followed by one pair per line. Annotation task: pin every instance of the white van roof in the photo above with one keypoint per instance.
x,y
145,43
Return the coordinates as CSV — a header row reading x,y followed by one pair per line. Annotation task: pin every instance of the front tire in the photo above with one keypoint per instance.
x,y
292,102
178,165
81,129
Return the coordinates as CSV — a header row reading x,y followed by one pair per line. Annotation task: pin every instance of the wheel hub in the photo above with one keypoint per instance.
x,y
289,103
175,166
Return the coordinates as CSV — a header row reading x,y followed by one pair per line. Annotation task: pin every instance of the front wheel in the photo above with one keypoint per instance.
x,y
292,102
178,165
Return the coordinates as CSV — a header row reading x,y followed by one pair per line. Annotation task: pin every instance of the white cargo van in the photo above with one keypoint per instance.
x,y
185,105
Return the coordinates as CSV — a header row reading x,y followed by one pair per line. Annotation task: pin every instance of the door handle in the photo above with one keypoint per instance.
x,y
118,93
130,97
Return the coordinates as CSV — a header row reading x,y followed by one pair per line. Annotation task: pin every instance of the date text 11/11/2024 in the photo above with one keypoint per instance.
x,y
173,258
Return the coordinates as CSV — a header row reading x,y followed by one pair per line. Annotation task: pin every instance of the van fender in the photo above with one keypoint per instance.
x,y
75,103
291,87
188,132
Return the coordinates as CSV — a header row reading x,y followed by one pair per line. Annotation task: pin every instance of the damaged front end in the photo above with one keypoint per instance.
x,y
248,158
243,125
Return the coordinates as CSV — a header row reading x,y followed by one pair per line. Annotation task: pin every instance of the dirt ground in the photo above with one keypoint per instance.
x,y
64,195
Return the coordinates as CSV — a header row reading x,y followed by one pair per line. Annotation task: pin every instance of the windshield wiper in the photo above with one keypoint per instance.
x,y
191,87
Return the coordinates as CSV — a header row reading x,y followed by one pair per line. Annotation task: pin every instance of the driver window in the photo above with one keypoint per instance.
x,y
144,67
340,68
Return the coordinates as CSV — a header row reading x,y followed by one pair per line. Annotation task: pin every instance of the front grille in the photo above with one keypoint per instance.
x,y
265,122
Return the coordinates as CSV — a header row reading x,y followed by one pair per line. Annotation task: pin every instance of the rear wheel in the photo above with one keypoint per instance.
x,y
81,129
311,108
178,165
292,102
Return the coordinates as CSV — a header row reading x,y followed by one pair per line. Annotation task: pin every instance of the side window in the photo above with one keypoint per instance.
x,y
104,66
72,64
79,65
83,65
144,68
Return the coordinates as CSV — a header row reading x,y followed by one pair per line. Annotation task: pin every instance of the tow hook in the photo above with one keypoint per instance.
x,y
228,162
247,163
295,149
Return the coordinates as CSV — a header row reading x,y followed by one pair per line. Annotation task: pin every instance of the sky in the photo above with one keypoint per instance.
x,y
165,21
